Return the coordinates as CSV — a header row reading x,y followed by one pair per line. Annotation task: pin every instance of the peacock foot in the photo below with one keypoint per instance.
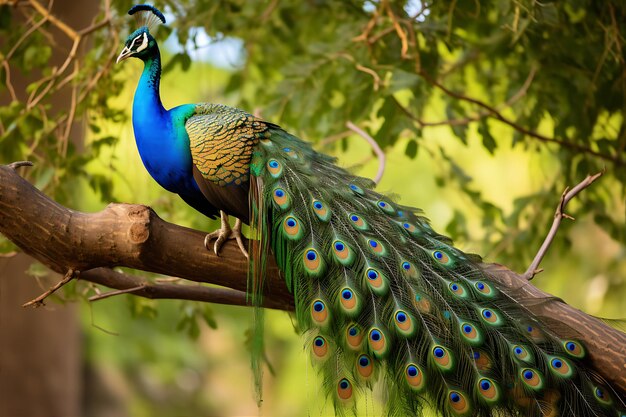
x,y
224,233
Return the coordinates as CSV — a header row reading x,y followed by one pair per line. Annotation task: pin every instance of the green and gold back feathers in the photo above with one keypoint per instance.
x,y
380,295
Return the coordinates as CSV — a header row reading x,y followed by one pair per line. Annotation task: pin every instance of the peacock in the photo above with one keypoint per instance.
x,y
379,295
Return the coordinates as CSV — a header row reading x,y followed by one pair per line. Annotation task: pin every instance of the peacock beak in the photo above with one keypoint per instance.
x,y
126,53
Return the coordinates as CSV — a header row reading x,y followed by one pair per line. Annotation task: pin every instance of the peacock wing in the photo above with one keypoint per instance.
x,y
222,140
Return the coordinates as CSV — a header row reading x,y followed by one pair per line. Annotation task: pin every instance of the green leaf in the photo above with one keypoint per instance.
x,y
402,80
209,317
5,16
182,58
488,141
411,149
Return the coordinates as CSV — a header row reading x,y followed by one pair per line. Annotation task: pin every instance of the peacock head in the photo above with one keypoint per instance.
x,y
140,43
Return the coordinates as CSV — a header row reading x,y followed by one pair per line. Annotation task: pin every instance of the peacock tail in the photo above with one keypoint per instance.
x,y
380,295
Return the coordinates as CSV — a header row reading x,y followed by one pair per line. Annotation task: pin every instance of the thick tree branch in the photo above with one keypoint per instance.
x,y
135,237
121,235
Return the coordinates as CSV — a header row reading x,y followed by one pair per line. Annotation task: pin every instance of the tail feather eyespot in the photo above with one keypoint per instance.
x,y
365,366
312,261
319,312
292,228
410,228
490,316
457,289
376,247
534,332
354,337
485,289
376,280
414,377
357,221
421,303
560,367
574,348
471,333
522,353
342,252
458,403
385,206
531,378
409,270
356,189
482,360
274,167
321,210
320,348
442,257
349,301
344,389
404,323
603,395
442,358
281,198
378,342
488,390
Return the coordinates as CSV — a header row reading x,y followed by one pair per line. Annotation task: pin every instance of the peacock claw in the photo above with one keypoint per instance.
x,y
224,233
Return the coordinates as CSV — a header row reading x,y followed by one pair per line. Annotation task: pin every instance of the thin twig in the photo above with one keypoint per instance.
x,y
38,302
371,72
102,296
70,118
382,159
403,38
7,80
559,214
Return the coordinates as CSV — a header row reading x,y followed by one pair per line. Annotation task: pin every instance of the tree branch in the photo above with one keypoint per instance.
x,y
494,113
134,236
124,235
142,287
559,214
382,158
38,302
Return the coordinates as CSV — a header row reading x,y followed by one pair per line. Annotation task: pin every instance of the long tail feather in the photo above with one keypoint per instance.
x,y
379,294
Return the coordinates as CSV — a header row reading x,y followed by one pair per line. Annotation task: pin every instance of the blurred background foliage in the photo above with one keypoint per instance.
x,y
486,110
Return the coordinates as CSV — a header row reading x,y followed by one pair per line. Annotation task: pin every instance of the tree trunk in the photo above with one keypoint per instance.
x,y
40,349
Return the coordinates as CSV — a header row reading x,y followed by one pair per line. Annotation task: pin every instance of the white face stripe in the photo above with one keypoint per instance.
x,y
144,42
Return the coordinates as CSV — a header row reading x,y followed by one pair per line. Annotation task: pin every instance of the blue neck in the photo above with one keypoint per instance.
x,y
160,134
147,97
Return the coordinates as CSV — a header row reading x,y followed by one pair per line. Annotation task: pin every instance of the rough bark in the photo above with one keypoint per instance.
x,y
134,236
125,235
